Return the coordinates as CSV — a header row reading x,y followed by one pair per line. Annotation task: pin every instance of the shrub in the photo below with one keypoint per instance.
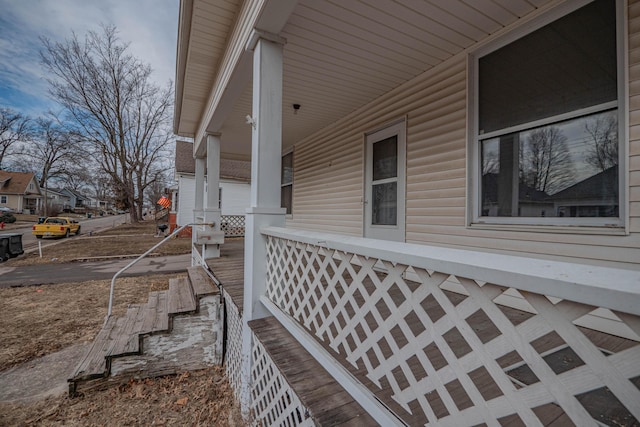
x,y
7,218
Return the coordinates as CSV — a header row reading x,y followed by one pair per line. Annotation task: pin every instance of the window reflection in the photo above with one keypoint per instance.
x,y
568,169
384,207
385,158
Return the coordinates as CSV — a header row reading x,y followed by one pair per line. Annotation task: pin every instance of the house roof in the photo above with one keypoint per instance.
x,y
229,169
16,182
526,193
74,193
338,57
185,163
598,186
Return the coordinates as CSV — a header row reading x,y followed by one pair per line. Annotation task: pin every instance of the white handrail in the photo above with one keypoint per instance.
x,y
612,288
122,270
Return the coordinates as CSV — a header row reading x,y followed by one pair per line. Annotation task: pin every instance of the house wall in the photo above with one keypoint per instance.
x,y
235,198
186,199
329,172
13,202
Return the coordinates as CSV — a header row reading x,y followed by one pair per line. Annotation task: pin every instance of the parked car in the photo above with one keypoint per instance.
x,y
5,209
56,227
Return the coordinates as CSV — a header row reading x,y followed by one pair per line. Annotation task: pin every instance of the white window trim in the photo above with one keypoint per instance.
x,y
619,225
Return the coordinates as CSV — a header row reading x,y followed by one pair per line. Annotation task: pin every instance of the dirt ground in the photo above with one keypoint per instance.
x,y
41,320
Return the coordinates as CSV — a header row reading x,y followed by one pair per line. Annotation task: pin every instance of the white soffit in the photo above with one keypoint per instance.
x,y
341,55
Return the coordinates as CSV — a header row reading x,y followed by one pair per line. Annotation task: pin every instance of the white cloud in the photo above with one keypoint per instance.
x,y
150,26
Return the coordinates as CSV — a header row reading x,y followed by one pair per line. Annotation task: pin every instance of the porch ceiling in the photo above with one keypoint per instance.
x,y
338,57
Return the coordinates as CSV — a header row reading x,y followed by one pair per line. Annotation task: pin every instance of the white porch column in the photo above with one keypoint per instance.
x,y
212,210
264,210
198,210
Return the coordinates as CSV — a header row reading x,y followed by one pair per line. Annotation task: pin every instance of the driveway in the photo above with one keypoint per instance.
x,y
48,274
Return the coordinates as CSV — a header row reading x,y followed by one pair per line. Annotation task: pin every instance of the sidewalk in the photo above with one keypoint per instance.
x,y
48,274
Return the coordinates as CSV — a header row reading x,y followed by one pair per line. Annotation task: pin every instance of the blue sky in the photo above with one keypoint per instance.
x,y
150,26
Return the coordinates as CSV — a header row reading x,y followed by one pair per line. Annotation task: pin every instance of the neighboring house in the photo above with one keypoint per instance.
x,y
20,192
370,126
596,196
96,203
77,201
233,191
56,198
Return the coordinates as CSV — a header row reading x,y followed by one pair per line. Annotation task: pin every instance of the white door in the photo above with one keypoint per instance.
x,y
384,201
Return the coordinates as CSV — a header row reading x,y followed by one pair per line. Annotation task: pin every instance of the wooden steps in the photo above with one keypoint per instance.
x,y
122,336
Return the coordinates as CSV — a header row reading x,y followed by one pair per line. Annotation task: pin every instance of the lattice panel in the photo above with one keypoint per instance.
x,y
273,402
456,358
232,225
233,359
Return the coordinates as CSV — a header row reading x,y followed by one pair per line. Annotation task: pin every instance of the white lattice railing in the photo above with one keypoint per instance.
x,y
233,356
274,403
462,357
232,225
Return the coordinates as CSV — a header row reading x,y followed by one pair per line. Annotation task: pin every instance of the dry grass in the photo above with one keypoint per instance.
x,y
202,398
39,320
123,240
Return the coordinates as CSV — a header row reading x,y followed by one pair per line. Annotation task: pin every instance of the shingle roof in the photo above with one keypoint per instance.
x,y
229,169
16,182
185,163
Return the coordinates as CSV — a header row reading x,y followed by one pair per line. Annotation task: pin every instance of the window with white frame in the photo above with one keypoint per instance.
x,y
548,113
286,182
3,199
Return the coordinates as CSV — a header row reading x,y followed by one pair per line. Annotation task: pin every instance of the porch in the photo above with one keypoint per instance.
x,y
422,337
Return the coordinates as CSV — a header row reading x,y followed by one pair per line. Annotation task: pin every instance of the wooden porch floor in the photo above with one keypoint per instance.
x,y
326,400
229,270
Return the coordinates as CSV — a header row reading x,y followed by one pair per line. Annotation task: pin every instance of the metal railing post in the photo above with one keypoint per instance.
x,y
132,263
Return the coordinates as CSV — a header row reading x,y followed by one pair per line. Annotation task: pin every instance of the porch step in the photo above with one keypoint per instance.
x,y
326,402
122,336
201,282
181,298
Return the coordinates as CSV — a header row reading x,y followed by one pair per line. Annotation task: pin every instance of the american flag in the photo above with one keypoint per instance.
x,y
164,202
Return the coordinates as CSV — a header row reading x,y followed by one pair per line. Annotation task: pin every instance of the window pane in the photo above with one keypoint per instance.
x,y
569,169
385,158
384,204
565,66
286,197
286,176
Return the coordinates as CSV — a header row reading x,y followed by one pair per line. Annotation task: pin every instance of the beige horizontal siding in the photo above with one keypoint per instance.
x,y
329,172
634,116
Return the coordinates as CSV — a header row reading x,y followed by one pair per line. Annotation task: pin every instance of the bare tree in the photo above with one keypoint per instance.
x,y
545,163
114,106
603,148
102,186
14,127
53,149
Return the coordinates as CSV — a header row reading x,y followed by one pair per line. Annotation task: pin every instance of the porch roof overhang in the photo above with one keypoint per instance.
x,y
338,57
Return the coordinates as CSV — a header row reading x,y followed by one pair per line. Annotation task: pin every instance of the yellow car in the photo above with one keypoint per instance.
x,y
56,227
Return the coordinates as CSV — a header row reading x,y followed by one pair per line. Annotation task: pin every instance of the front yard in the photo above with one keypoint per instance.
x,y
41,320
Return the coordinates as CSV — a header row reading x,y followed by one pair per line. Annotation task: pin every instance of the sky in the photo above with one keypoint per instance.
x,y
150,26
